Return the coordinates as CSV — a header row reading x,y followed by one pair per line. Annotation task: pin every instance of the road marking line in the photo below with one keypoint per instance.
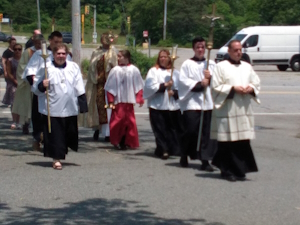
x,y
281,92
256,114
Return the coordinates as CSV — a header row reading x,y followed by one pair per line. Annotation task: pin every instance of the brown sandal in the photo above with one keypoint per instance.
x,y
57,165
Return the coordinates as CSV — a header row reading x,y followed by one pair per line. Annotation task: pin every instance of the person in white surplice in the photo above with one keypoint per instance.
x,y
233,86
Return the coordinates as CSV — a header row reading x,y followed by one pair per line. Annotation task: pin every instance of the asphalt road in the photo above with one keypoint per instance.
x,y
99,185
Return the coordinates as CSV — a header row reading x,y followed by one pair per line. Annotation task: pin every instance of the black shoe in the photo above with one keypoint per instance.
x,y
241,178
207,168
228,177
165,156
184,161
96,135
107,139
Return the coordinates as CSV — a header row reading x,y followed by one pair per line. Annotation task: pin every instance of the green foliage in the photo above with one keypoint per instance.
x,y
165,43
141,61
85,63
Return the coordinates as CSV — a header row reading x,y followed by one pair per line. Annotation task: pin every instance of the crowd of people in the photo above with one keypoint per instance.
x,y
202,111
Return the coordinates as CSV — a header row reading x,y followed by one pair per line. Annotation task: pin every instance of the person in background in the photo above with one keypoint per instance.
x,y
165,117
12,83
23,97
30,42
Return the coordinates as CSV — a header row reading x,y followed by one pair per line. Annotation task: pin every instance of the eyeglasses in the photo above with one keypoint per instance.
x,y
17,49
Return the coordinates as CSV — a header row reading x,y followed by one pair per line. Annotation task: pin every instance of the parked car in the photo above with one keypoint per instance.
x,y
4,37
1,67
67,37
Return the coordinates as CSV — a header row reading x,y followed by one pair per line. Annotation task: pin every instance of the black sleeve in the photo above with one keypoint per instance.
x,y
253,93
162,88
175,96
231,94
82,102
30,80
198,87
41,87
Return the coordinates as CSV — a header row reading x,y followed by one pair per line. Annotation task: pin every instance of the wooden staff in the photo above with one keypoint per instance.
x,y
209,48
45,56
173,58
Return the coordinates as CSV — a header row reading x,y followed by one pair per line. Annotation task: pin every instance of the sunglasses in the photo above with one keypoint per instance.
x,y
17,49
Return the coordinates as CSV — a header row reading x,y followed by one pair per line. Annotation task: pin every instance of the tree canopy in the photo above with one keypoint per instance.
x,y
184,17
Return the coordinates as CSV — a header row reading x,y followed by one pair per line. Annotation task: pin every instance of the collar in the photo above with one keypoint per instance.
x,y
196,59
234,62
59,66
125,64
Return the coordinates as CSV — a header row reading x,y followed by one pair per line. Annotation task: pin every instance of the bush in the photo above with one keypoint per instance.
x,y
85,63
141,61
165,43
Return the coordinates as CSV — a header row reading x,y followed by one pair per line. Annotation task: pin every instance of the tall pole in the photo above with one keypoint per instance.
x,y
95,32
39,17
76,32
165,20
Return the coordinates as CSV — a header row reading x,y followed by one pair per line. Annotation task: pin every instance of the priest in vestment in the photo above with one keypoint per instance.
x,y
124,89
161,93
23,96
102,61
193,88
66,98
233,85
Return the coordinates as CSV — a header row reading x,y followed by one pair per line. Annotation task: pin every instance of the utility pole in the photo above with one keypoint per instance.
x,y
39,17
165,21
76,42
95,32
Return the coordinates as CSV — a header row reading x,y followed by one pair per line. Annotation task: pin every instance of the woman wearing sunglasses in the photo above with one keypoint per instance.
x,y
12,83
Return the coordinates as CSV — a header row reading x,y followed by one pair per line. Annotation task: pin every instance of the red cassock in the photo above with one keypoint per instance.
x,y
123,123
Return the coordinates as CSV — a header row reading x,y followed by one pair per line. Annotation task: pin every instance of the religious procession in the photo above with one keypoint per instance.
x,y
201,111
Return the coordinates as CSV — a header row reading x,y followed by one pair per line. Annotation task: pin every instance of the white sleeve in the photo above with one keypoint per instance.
x,y
151,83
138,83
79,85
111,84
33,65
185,83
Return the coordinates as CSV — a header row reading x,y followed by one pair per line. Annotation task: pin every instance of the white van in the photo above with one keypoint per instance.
x,y
269,45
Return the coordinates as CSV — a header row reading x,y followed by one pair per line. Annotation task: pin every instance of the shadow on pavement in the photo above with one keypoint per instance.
x,y
94,211
194,166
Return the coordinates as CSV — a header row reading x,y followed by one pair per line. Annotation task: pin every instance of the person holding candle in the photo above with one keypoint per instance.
x,y
161,91
66,98
35,63
124,88
193,84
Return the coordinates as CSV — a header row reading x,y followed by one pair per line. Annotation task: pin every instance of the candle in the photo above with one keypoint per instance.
x,y
174,51
44,48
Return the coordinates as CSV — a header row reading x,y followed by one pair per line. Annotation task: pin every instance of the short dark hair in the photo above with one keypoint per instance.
x,y
231,42
11,39
197,39
60,46
55,34
126,54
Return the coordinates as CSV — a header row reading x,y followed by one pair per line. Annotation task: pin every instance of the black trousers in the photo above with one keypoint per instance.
x,y
208,147
235,158
64,134
167,128
36,118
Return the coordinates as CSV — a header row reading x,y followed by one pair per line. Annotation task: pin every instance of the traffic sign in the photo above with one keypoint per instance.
x,y
145,33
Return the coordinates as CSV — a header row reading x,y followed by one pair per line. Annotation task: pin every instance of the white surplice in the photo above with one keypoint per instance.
x,y
191,73
232,118
66,85
160,101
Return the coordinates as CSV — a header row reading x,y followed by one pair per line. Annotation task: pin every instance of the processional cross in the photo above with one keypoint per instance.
x,y
209,47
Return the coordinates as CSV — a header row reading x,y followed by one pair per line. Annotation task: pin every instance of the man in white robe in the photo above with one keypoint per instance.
x,y
23,97
36,63
66,98
124,88
233,86
193,88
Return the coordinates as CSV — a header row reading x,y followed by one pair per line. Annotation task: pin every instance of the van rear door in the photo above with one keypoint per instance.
x,y
252,48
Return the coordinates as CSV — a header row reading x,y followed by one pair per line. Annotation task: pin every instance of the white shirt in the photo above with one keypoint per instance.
x,y
190,74
66,85
124,82
160,101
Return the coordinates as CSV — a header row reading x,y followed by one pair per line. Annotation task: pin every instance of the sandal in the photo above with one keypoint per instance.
x,y
57,165
13,126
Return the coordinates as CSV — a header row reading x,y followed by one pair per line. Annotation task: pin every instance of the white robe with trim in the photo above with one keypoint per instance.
x,y
191,73
160,101
233,119
124,82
